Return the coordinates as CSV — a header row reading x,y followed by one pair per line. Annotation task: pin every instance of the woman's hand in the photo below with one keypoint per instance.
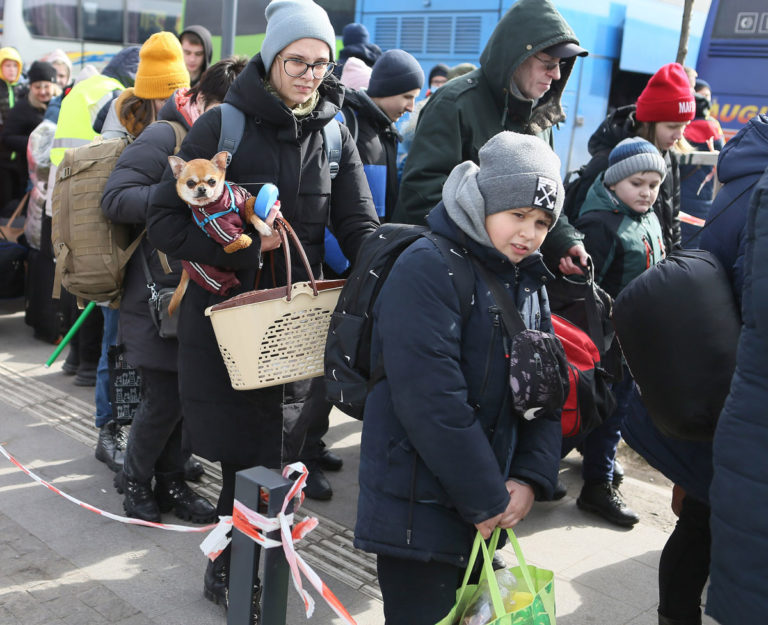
x,y
273,241
521,498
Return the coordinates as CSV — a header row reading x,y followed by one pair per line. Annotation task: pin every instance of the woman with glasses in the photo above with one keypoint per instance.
x,y
288,95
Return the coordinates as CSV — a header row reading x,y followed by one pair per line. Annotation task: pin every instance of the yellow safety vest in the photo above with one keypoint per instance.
x,y
78,112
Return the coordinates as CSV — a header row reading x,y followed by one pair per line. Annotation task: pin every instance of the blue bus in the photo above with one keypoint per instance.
x,y
733,59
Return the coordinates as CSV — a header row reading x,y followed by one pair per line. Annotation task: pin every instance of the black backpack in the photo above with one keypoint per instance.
x,y
348,375
572,184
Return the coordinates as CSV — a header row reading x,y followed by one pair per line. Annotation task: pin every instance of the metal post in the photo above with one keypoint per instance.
x,y
228,27
244,565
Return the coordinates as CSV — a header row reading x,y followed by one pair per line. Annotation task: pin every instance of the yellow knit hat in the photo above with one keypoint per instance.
x,y
161,67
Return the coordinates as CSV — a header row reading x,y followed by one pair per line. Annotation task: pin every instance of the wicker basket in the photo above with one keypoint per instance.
x,y
274,336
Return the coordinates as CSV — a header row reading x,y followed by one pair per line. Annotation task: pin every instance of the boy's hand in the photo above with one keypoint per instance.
x,y
567,267
520,502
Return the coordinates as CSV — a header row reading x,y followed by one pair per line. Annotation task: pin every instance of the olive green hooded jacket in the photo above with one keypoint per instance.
x,y
461,116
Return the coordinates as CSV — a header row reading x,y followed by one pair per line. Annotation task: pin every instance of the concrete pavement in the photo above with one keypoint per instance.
x,y
62,564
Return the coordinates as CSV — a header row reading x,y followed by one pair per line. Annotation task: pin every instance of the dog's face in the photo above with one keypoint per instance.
x,y
199,182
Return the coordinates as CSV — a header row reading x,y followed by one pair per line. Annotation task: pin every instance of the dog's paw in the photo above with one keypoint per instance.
x,y
240,243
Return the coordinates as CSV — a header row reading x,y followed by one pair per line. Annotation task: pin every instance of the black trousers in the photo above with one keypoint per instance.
x,y
684,564
416,593
154,442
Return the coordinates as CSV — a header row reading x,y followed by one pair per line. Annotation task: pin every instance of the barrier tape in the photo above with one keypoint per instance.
x,y
690,219
255,525
247,521
104,513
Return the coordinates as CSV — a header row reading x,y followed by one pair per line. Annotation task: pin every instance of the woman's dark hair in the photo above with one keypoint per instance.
x,y
217,79
136,113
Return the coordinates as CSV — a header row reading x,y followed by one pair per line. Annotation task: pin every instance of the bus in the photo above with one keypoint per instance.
x,y
733,59
91,31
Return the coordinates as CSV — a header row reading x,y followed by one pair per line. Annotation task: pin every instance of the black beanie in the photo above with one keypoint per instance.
x,y
441,69
394,73
41,71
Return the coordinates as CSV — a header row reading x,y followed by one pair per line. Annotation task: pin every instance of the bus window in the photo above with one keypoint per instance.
x,y
103,21
54,18
741,20
144,22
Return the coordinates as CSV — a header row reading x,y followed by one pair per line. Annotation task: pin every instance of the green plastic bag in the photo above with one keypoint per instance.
x,y
539,582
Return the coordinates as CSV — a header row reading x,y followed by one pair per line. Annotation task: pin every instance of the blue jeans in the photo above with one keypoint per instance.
x,y
599,446
103,405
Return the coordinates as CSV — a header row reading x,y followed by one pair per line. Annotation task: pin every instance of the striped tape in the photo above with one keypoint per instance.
x,y
256,525
104,513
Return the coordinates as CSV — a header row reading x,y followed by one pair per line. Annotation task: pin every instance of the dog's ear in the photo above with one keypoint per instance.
x,y
220,160
177,164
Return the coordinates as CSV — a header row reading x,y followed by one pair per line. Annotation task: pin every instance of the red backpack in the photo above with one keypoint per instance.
x,y
589,401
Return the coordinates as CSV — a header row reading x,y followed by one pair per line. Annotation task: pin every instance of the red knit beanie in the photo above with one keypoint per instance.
x,y
667,97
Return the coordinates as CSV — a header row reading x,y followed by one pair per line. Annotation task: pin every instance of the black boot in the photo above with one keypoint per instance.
x,y
216,580
193,469
618,474
139,502
110,447
603,499
317,486
172,493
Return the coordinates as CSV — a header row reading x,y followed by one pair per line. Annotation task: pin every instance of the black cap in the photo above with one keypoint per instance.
x,y
565,50
41,71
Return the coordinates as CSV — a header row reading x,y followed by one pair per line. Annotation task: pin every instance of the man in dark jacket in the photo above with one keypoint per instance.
x,y
357,43
198,50
524,68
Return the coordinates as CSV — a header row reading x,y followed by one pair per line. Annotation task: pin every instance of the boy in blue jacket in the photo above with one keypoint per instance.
x,y
443,454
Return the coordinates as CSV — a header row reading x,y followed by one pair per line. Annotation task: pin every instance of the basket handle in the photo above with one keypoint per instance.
x,y
285,231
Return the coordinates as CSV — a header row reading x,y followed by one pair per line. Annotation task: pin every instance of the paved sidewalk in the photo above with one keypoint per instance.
x,y
62,564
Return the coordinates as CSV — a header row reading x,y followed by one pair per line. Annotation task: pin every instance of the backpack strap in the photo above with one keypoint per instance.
x,y
332,143
232,127
179,132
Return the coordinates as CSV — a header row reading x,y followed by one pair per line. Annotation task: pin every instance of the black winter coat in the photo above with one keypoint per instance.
x,y
376,141
126,199
439,438
245,427
618,126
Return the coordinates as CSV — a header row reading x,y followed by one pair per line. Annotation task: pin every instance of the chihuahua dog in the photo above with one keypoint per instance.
x,y
221,209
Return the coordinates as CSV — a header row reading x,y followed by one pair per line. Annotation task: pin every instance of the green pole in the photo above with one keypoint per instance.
x,y
68,336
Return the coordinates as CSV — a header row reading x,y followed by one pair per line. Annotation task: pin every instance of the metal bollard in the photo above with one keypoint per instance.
x,y
244,565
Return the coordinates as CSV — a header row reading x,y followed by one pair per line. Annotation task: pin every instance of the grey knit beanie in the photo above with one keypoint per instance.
x,y
516,171
395,72
291,20
631,156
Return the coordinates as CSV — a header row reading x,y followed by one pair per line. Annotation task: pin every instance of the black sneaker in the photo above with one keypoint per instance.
x,y
139,503
559,492
85,376
330,461
71,363
110,446
605,500
172,493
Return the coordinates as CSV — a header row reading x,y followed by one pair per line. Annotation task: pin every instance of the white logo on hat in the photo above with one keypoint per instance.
x,y
687,106
546,193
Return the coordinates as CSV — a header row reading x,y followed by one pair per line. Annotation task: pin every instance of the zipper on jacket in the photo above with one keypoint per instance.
x,y
647,252
409,529
496,312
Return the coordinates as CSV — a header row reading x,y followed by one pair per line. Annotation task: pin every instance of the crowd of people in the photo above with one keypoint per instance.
x,y
444,452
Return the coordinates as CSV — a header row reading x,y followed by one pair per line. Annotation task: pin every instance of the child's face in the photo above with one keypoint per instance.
x,y
638,191
669,133
10,70
518,232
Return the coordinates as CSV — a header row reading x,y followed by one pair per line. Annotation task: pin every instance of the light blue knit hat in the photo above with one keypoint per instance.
x,y
291,20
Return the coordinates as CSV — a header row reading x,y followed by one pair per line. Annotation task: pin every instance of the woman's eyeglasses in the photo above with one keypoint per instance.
x,y
550,65
296,68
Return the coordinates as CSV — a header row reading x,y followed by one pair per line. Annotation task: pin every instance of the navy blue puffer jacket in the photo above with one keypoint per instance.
x,y
739,493
439,438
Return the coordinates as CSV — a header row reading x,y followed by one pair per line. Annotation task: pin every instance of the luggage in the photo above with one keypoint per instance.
x,y
678,325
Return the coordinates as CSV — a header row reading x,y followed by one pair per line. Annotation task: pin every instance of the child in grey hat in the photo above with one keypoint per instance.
x,y
443,455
